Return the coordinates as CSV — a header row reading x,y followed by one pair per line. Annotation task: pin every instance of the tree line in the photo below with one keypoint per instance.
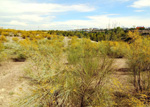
x,y
115,34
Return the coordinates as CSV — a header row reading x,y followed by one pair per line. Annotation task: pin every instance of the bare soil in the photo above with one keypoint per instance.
x,y
10,81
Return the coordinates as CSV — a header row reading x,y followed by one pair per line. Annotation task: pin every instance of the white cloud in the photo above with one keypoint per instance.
x,y
17,23
139,10
102,21
25,12
16,6
124,0
33,18
99,21
127,21
26,15
141,3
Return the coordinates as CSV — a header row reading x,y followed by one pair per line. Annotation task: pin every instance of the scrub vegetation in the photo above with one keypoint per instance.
x,y
78,72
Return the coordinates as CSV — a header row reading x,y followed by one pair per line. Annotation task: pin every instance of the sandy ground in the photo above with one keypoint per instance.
x,y
10,81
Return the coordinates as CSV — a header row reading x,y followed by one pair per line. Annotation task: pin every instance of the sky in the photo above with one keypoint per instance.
x,y
73,14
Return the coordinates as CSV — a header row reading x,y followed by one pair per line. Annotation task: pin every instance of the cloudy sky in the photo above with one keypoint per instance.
x,y
73,14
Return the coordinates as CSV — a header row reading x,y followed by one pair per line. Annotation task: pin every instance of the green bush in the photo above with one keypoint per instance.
x,y
78,83
114,49
139,62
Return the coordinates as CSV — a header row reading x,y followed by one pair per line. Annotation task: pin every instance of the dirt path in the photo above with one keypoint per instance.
x,y
10,80
123,75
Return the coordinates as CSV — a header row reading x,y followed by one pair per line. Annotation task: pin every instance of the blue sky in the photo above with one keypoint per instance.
x,y
73,14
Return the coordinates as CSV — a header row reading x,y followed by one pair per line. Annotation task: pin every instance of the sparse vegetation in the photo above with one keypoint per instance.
x,y
80,72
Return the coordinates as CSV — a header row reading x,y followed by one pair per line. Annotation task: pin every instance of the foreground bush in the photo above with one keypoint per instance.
x,y
139,62
87,76
58,82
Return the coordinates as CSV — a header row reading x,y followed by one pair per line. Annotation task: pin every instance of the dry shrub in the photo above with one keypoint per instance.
x,y
139,61
77,84
115,49
16,39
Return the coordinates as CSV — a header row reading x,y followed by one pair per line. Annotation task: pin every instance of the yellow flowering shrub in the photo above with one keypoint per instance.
x,y
49,37
39,37
117,49
1,46
58,83
16,39
85,59
3,54
139,61
134,102
25,34
3,38
82,48
47,66
28,45
16,33
76,74
5,33
134,35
